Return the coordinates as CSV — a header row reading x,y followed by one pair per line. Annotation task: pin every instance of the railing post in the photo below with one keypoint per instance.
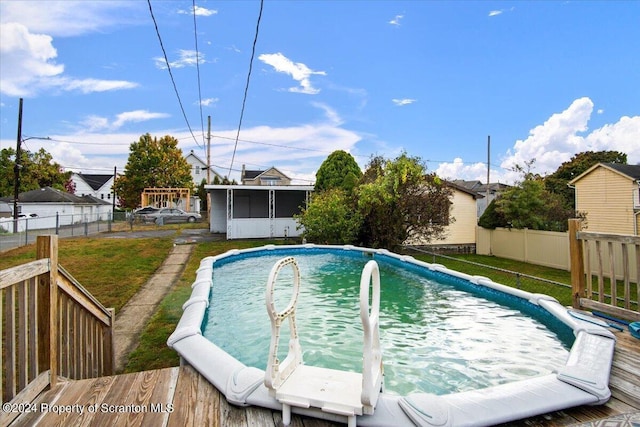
x,y
576,255
47,247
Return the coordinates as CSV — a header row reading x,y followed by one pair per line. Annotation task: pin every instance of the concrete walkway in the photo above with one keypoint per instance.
x,y
133,317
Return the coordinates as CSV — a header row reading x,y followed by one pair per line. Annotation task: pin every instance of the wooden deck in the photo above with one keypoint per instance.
x,y
180,396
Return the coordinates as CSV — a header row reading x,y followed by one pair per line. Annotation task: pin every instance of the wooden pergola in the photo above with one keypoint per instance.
x,y
167,197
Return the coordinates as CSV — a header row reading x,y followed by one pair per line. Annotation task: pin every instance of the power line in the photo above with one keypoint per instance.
x,y
195,36
166,59
246,87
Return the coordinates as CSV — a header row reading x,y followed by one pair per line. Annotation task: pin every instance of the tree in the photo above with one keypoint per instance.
x,y
558,181
398,199
152,162
528,204
339,170
331,218
202,195
492,217
37,170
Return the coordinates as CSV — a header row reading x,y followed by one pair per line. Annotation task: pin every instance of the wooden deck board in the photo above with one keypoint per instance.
x,y
197,403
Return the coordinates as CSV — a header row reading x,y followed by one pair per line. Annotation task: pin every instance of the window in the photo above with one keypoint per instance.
x,y
197,170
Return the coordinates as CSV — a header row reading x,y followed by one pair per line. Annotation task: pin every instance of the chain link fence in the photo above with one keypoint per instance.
x,y
23,231
515,279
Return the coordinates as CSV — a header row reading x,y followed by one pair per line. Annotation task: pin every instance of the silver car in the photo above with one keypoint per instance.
x,y
172,215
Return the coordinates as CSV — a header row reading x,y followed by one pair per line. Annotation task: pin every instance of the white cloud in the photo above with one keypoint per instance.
x,y
27,65
396,20
136,116
69,18
97,123
600,111
297,70
460,170
555,141
25,58
495,12
199,11
403,101
95,85
186,58
97,146
208,101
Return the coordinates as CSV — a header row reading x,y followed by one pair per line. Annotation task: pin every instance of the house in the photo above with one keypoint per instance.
x,y
271,176
98,186
489,191
49,208
6,211
199,170
461,232
256,211
609,195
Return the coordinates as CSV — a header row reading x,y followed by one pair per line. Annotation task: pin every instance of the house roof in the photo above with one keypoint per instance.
x,y
94,181
479,187
630,171
195,156
48,195
474,194
94,200
253,174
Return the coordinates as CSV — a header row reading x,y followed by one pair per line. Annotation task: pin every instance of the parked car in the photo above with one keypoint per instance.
x,y
140,214
146,210
170,215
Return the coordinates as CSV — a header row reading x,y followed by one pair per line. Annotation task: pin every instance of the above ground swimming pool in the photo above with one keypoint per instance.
x,y
456,349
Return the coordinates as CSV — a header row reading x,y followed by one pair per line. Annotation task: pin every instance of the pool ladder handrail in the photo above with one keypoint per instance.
x,y
277,372
367,385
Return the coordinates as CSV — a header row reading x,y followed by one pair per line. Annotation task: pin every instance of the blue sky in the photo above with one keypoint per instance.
x,y
545,80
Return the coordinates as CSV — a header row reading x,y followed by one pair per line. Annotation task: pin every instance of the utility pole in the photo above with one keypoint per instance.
x,y
209,167
113,205
208,149
488,167
16,170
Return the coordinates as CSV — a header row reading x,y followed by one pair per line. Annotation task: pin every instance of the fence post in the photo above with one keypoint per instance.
x,y
47,247
576,255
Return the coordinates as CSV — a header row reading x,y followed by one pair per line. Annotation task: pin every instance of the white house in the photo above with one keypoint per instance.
x,y
199,169
48,208
98,186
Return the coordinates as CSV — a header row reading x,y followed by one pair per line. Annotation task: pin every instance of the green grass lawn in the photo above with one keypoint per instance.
x,y
562,294
112,270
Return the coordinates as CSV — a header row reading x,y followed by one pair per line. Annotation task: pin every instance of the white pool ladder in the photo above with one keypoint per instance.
x,y
338,392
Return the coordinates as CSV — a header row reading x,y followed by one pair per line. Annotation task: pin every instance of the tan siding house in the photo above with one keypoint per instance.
x,y
609,193
462,231
271,176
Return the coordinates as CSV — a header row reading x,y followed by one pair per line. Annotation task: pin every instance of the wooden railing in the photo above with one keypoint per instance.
x,y
51,326
605,272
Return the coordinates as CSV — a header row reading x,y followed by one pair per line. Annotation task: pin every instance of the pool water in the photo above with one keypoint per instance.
x,y
436,338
